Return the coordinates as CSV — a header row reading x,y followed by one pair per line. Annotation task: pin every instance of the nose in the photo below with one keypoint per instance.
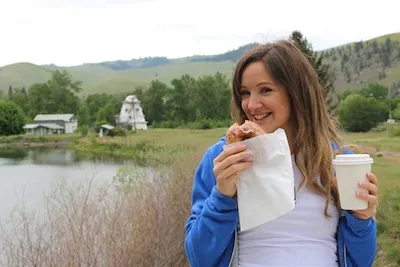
x,y
254,102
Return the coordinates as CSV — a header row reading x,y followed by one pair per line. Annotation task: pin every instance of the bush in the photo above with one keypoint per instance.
x,y
84,130
379,129
12,119
361,114
394,131
117,131
100,225
396,113
198,124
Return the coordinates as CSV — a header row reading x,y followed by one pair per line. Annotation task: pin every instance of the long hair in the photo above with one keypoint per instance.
x,y
313,127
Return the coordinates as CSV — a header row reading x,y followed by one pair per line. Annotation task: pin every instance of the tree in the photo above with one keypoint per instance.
x,y
323,70
154,104
12,118
396,112
360,114
10,92
180,99
83,116
376,91
57,95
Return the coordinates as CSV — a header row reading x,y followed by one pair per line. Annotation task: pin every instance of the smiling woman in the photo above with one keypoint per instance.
x,y
275,86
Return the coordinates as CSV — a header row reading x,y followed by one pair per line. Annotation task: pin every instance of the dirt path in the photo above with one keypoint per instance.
x,y
386,154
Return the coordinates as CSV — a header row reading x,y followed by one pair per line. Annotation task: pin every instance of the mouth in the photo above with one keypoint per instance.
x,y
262,116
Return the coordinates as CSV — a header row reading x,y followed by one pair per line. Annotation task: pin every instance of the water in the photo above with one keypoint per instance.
x,y
27,176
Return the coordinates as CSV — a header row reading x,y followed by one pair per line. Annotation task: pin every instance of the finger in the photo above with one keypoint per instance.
x,y
229,150
372,178
373,189
372,200
233,159
235,168
234,177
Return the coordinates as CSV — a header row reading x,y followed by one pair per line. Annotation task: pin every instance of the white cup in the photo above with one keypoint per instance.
x,y
350,170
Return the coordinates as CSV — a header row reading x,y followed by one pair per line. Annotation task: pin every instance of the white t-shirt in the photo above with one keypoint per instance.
x,y
303,237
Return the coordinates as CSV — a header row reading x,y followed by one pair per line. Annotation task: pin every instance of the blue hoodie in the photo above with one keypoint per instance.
x,y
211,228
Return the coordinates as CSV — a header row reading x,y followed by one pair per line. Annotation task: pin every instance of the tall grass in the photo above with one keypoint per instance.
x,y
101,225
139,219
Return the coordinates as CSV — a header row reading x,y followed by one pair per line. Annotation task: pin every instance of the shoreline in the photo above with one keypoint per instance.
x,y
48,144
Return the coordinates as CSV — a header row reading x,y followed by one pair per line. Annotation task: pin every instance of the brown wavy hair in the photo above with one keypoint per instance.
x,y
313,127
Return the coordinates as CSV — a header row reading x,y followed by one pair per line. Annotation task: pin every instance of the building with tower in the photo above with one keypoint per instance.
x,y
131,114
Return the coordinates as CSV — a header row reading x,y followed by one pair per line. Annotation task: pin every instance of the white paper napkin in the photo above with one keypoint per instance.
x,y
266,190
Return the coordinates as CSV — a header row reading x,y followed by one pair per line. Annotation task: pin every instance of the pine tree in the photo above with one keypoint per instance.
x,y
323,71
10,92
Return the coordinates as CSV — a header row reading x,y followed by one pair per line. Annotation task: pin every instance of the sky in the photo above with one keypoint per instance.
x,y
73,32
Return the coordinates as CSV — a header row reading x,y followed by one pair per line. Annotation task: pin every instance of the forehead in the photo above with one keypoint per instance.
x,y
256,73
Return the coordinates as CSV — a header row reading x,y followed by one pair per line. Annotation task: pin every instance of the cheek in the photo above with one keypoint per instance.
x,y
285,106
244,105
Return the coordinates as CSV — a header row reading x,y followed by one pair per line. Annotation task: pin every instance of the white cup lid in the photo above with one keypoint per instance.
x,y
349,159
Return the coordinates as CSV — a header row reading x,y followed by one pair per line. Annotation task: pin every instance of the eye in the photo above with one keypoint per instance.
x,y
244,92
265,90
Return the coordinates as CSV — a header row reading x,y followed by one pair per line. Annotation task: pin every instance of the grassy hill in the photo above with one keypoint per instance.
x,y
359,63
354,65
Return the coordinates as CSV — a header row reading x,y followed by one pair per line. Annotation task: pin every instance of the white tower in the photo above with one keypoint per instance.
x,y
132,114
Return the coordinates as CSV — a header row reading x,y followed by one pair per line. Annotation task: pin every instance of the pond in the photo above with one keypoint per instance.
x,y
26,176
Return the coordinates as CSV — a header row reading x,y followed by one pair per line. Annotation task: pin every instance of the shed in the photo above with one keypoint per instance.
x,y
105,129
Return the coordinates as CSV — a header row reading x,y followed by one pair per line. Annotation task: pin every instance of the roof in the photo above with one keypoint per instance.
x,y
107,126
52,126
53,117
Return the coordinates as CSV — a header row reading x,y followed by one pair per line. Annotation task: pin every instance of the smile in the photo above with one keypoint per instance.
x,y
260,117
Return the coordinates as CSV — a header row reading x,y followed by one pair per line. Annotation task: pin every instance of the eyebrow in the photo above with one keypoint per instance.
x,y
261,83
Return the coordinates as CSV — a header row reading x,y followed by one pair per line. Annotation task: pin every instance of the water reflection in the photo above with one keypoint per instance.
x,y
26,175
51,156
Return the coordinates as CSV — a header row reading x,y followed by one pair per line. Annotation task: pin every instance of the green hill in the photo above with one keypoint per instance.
x,y
354,65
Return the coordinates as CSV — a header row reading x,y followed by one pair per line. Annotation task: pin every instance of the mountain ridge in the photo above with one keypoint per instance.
x,y
124,75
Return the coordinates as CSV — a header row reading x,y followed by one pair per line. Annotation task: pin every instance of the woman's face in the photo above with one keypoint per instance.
x,y
264,101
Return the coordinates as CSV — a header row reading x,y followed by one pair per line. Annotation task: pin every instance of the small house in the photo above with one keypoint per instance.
x,y
43,129
105,129
45,124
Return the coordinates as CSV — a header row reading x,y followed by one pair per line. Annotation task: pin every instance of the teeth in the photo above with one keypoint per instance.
x,y
260,116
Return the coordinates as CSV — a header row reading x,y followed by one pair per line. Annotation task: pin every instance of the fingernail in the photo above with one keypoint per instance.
x,y
361,183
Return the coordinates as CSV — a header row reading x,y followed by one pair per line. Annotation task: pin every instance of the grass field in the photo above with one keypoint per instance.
x,y
180,150
387,171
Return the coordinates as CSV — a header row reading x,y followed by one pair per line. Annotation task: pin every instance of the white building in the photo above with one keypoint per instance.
x,y
105,129
132,114
45,124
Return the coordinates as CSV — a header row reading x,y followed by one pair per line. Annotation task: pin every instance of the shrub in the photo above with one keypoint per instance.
x,y
98,225
117,131
394,131
379,129
361,114
12,118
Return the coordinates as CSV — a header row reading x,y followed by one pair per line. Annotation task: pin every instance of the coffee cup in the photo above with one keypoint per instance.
x,y
351,169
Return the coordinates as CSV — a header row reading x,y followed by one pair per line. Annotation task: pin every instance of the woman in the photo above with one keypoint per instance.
x,y
275,86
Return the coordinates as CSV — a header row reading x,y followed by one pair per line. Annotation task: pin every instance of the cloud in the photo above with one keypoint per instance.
x,y
70,32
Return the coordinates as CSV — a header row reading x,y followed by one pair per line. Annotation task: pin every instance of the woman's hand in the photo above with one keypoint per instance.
x,y
229,165
371,197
